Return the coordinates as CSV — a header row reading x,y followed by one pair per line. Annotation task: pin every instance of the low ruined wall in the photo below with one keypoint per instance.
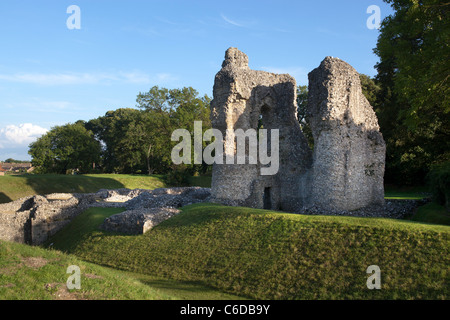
x,y
32,220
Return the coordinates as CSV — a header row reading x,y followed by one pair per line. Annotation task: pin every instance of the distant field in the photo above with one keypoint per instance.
x,y
262,254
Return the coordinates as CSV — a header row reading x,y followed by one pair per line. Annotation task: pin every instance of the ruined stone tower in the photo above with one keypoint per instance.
x,y
349,150
243,98
343,172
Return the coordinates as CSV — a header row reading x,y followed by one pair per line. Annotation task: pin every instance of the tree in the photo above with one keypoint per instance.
x,y
124,134
11,160
168,110
64,148
370,89
413,74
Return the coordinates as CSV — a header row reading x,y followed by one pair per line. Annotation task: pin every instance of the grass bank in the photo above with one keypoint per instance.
x,y
270,255
32,273
13,187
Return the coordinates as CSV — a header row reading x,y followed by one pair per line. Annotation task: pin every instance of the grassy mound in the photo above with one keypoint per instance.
x,y
270,255
34,273
31,273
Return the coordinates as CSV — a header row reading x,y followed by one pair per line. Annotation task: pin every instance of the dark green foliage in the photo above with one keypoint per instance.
x,y
68,148
370,89
125,140
302,104
413,103
11,160
178,177
439,182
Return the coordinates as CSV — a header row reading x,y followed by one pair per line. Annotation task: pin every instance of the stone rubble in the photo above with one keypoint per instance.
x,y
394,209
147,208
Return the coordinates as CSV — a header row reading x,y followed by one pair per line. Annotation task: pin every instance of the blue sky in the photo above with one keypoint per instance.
x,y
52,75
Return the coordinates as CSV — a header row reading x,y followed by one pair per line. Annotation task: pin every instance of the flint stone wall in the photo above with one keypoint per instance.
x,y
32,220
345,170
137,221
242,98
349,150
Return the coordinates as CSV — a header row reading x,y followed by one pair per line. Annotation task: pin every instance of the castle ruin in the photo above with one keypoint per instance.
x,y
345,169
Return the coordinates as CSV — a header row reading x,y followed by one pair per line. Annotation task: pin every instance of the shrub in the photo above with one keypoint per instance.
x,y
178,177
439,182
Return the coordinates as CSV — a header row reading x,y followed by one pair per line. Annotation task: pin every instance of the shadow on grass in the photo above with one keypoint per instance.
x,y
4,198
188,290
18,186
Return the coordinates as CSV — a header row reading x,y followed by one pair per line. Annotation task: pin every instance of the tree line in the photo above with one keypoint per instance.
x,y
126,140
410,95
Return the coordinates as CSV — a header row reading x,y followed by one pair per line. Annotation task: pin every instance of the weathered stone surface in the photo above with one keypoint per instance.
x,y
349,150
344,172
34,219
138,221
168,198
242,98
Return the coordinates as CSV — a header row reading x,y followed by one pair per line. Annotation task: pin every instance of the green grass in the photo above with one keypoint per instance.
x,y
17,281
432,213
32,273
406,193
261,254
20,279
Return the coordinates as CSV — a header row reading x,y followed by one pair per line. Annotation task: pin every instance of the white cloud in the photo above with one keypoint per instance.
x,y
135,77
58,78
21,135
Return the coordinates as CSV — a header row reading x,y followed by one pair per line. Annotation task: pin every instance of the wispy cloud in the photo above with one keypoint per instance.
x,y
247,23
34,104
58,79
